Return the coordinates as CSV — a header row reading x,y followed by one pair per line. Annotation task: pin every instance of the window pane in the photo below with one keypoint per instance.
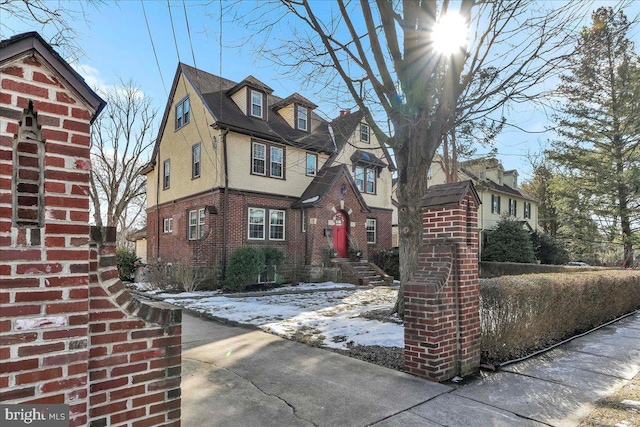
x,y
195,161
256,223
256,104
371,181
193,225
258,159
276,225
276,161
311,164
179,115
360,178
302,118
201,219
371,230
186,111
364,133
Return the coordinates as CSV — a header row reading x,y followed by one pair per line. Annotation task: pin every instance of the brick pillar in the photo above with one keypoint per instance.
x,y
442,310
44,239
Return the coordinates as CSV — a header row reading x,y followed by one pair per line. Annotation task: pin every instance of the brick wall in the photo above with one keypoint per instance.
x,y
59,333
134,349
442,321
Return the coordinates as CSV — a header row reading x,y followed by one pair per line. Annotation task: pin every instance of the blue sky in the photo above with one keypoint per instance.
x,y
116,43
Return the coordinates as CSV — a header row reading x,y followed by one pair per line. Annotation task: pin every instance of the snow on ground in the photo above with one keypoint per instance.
x,y
326,317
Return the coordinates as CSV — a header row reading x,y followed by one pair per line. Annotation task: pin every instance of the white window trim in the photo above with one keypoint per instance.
x,y
355,178
264,159
368,133
166,174
284,225
264,213
315,164
303,220
198,225
299,109
195,161
255,92
365,171
272,162
168,225
366,180
375,230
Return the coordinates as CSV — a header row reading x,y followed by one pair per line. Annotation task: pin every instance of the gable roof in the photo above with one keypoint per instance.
x,y
294,98
21,45
214,92
446,194
321,185
499,188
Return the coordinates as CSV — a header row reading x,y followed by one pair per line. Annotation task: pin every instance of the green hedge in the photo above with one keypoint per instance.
x,y
522,314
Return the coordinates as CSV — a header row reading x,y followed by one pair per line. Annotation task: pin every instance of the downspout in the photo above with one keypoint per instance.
x,y
225,218
158,206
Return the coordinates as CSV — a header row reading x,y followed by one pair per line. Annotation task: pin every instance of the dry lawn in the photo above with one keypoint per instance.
x,y
619,410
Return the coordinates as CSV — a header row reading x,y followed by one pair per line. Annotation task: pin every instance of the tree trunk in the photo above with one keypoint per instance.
x,y
411,188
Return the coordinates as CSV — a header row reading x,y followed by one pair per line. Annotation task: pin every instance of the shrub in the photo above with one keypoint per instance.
x,y
245,265
547,249
522,314
273,256
388,260
126,260
509,242
189,278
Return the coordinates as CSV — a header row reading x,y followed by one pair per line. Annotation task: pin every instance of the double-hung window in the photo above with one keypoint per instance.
x,y
277,162
302,122
257,227
268,160
166,174
276,224
256,104
168,225
195,161
183,112
527,210
365,179
312,164
495,204
196,224
364,133
513,210
258,159
371,230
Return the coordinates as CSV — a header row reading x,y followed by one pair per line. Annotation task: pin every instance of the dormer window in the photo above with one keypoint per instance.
x,y
364,133
301,121
256,104
183,112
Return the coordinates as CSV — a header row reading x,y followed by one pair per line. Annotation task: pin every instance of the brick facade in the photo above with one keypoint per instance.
x,y
442,311
59,330
221,240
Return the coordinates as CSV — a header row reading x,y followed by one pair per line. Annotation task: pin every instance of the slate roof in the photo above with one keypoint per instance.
x,y
24,42
324,137
446,194
325,181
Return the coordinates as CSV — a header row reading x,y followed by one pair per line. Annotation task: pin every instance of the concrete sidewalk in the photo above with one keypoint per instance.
x,y
239,377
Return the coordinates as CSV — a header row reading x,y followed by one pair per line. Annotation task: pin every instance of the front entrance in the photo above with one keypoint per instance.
x,y
340,234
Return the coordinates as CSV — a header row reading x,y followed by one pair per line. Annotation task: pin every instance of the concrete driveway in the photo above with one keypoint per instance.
x,y
239,377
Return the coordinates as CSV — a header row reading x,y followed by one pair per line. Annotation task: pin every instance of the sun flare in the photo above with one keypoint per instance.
x,y
449,34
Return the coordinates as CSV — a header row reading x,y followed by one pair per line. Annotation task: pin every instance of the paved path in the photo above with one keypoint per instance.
x,y
239,377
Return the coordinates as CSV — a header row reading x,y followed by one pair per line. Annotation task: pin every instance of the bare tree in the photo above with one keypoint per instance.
x,y
120,142
55,20
383,55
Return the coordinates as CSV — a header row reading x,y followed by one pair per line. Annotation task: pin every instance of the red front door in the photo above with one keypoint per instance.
x,y
340,234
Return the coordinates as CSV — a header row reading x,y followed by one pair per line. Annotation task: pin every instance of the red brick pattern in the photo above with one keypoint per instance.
x,y
69,333
220,240
442,311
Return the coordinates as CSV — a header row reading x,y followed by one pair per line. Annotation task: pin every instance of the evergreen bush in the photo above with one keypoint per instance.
x,y
547,249
245,265
509,242
126,260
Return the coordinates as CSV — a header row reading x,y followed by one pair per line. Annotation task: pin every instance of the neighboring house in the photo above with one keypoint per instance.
x,y
235,165
498,191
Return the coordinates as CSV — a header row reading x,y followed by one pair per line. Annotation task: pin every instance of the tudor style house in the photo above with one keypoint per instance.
x,y
234,165
498,191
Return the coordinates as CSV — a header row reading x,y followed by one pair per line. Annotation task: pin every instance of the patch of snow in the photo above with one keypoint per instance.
x,y
311,199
